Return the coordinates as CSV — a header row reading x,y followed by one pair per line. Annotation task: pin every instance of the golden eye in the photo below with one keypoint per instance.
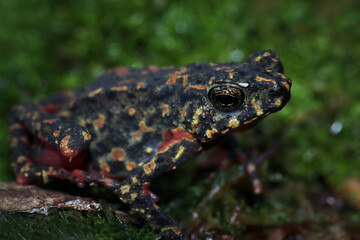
x,y
226,98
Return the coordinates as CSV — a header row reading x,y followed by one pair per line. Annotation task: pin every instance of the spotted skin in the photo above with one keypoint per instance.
x,y
132,125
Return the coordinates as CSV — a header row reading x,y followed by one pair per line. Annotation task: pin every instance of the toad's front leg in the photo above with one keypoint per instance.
x,y
134,191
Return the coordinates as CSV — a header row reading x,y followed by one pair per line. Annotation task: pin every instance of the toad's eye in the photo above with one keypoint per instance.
x,y
226,98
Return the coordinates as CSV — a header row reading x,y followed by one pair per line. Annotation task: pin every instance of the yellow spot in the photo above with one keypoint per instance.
x,y
257,107
178,154
149,150
93,93
125,189
132,111
261,79
86,135
211,132
45,176
142,210
134,179
231,75
234,123
133,195
149,167
211,80
278,102
258,58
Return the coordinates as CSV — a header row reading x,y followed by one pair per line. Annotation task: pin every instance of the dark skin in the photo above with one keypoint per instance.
x,y
132,125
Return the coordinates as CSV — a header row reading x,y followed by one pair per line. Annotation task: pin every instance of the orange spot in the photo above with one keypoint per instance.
x,y
197,87
119,88
86,135
183,113
257,107
154,68
50,120
132,111
143,129
172,136
233,123
140,85
130,166
144,72
118,154
38,125
99,123
149,167
56,133
176,75
222,68
93,93
185,79
71,102
261,79
104,166
286,85
121,70
65,150
35,116
267,54
165,110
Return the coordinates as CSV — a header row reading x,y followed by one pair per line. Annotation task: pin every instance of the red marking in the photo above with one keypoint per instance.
x,y
176,230
172,136
50,120
121,71
65,150
20,179
53,158
56,133
145,188
172,79
197,87
51,108
131,111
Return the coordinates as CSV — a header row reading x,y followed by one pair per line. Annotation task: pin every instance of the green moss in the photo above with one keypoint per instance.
x,y
69,225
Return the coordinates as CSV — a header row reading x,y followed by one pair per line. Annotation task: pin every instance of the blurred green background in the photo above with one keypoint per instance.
x,y
48,46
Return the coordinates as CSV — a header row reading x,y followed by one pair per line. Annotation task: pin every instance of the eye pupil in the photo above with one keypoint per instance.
x,y
226,98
